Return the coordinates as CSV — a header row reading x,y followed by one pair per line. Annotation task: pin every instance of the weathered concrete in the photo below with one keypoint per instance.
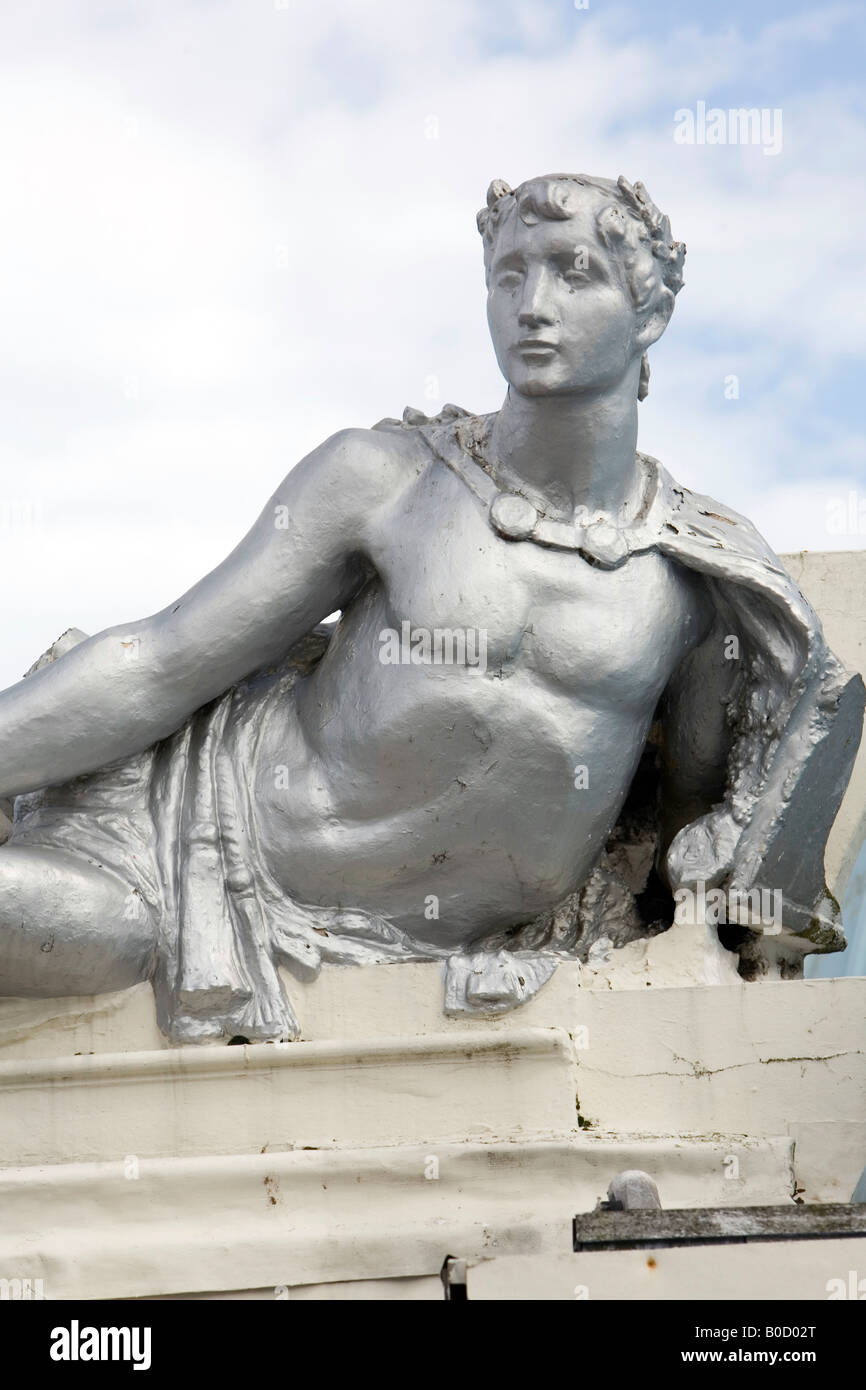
x,y
785,1272
252,1221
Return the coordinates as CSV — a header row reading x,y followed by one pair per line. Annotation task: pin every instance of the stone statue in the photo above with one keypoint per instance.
x,y
561,691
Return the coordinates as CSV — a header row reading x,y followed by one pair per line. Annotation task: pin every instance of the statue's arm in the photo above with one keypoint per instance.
x,y
757,751
696,749
123,689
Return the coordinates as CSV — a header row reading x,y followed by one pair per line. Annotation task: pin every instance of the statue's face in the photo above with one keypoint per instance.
x,y
560,318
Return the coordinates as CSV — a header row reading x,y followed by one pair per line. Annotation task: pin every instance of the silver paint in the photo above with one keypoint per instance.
x,y
229,785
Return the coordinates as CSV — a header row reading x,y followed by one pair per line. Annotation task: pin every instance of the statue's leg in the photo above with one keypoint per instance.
x,y
68,926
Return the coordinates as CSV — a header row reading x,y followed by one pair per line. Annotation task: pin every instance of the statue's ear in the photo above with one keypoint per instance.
x,y
654,322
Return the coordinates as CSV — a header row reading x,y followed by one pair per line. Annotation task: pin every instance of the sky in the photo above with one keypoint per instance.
x,y
232,227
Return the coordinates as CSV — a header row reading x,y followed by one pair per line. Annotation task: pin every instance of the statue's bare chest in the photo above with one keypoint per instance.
x,y
608,634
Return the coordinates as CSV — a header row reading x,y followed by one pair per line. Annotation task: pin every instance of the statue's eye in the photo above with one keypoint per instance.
x,y
508,280
576,277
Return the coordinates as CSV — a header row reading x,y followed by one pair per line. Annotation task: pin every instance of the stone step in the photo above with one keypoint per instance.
x,y
241,1221
194,1101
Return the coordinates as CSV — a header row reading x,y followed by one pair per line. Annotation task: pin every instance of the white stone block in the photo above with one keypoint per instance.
x,y
785,1271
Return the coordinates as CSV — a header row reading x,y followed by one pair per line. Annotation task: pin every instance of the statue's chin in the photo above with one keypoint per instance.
x,y
538,386
540,383
547,380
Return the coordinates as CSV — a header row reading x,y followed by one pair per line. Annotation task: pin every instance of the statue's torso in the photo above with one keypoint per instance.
x,y
381,785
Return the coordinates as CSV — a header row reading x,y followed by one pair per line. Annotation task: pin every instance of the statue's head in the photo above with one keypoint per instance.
x,y
581,276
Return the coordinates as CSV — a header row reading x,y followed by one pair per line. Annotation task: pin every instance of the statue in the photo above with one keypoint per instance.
x,y
561,693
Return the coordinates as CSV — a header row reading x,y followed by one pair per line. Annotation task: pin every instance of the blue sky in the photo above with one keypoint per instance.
x,y
235,226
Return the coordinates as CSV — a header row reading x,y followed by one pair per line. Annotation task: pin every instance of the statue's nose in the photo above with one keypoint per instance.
x,y
536,307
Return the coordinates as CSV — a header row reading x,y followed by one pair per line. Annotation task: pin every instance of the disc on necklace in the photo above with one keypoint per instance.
x,y
513,516
605,544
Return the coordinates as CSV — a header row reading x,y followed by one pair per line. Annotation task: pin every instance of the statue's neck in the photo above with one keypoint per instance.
x,y
568,451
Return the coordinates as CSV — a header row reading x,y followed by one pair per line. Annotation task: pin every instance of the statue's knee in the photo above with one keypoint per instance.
x,y
69,927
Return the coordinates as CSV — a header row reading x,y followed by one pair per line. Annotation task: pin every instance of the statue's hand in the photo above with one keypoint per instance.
x,y
703,851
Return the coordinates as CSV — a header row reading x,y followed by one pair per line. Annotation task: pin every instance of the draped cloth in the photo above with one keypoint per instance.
x,y
177,823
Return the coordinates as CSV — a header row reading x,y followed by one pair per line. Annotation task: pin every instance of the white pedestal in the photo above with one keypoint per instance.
x,y
277,1168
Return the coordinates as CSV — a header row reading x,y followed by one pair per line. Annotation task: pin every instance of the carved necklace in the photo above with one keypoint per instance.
x,y
594,535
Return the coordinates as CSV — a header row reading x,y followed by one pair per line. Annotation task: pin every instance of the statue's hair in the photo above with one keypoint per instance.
x,y
630,225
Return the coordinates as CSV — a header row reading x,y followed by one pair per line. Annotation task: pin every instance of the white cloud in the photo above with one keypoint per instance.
x,y
228,233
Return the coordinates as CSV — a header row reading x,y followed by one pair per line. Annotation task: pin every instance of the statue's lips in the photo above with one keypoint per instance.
x,y
536,345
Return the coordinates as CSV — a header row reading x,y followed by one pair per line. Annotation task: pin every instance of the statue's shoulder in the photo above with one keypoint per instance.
x,y
399,441
694,519
450,435
413,419
376,464
372,462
